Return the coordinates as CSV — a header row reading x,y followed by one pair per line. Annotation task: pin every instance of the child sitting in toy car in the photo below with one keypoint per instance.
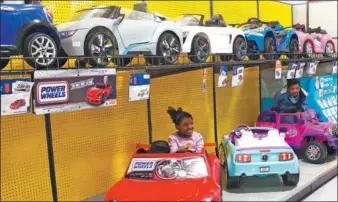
x,y
185,139
292,99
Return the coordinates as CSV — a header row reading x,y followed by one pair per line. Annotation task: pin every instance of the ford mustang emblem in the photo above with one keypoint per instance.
x,y
265,157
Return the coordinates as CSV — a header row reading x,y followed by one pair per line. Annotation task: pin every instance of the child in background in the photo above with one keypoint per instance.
x,y
185,139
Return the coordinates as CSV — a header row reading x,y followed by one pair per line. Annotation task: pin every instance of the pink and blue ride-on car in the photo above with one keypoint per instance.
x,y
314,40
303,131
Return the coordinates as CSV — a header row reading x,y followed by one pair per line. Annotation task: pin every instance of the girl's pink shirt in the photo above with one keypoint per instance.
x,y
175,141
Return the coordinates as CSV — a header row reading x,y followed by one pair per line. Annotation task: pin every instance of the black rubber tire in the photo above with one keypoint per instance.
x,y
293,52
61,61
305,54
122,61
233,182
104,98
192,55
160,60
235,56
290,179
269,54
323,151
89,40
326,54
26,50
3,63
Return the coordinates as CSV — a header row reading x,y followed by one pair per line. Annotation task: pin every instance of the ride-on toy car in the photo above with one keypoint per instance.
x,y
98,95
102,33
213,37
257,151
303,131
17,104
314,41
28,29
157,175
269,38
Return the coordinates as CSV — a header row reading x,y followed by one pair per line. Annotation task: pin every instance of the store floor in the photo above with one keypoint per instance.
x,y
328,192
271,188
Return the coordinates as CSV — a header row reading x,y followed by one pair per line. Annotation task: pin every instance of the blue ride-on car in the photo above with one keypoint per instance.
x,y
257,151
28,30
269,38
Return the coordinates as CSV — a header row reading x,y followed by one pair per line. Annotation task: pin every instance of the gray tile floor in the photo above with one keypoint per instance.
x,y
269,188
328,192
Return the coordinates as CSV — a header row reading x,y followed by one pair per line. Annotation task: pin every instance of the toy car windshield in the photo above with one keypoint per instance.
x,y
101,85
94,12
167,168
190,20
317,30
310,116
299,27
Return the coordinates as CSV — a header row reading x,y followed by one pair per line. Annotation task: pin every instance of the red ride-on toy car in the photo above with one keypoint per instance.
x,y
157,175
98,95
17,104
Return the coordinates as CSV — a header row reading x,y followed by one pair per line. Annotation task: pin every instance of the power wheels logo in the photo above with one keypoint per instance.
x,y
52,92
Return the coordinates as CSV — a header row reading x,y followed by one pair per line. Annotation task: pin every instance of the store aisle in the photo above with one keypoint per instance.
x,y
328,192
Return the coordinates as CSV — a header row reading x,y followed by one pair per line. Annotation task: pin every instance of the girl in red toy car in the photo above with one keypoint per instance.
x,y
185,139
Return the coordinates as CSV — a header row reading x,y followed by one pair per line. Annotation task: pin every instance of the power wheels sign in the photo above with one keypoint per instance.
x,y
67,90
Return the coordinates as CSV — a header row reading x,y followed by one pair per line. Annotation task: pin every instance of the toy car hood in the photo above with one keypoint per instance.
x,y
321,127
157,190
93,91
270,140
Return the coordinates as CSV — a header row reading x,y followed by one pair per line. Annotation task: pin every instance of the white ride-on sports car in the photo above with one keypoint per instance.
x,y
213,37
102,32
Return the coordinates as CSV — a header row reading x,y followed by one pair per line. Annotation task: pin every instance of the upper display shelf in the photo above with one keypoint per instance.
x,y
105,34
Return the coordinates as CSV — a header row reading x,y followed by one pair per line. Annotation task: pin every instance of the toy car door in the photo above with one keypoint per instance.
x,y
7,17
136,27
290,123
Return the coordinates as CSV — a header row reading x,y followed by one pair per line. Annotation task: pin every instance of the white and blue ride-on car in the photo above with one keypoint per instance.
x,y
257,151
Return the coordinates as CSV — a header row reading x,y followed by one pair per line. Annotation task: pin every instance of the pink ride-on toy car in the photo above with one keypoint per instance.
x,y
303,131
314,41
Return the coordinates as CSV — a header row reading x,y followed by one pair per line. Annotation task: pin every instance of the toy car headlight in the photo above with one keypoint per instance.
x,y
66,34
208,199
99,94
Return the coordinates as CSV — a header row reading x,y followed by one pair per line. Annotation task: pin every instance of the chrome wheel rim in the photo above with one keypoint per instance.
x,y
329,49
201,49
44,50
308,49
240,48
170,48
102,49
313,152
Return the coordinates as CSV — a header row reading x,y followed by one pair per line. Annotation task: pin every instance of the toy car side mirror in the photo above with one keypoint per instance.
x,y
300,121
119,19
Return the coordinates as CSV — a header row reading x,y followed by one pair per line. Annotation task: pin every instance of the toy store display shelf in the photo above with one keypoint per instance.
x,y
271,188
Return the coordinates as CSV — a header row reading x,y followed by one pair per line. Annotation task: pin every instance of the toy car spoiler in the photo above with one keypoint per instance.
x,y
147,146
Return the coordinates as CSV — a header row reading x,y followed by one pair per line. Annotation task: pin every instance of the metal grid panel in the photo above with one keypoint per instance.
x,y
24,158
182,90
92,148
238,105
272,10
235,11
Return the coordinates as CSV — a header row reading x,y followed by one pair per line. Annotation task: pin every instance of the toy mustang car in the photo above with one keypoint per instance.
x,y
17,104
270,38
102,32
303,131
314,41
213,37
98,95
28,29
157,175
257,151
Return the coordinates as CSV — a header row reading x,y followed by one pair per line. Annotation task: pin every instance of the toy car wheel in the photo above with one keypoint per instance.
x,y
100,47
290,179
42,49
168,50
308,49
239,48
293,49
233,181
329,49
104,98
200,49
122,61
270,49
315,152
221,155
3,63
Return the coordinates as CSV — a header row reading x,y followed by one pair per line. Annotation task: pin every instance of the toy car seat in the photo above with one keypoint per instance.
x,y
159,146
299,27
216,21
246,139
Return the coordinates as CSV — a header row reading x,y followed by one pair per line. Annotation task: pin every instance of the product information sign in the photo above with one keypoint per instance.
x,y
139,86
